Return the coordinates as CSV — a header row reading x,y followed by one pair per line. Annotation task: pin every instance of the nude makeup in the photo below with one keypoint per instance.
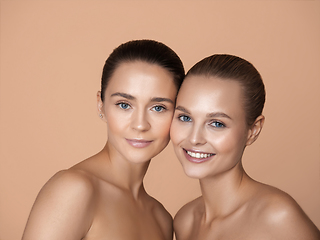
x,y
197,156
139,143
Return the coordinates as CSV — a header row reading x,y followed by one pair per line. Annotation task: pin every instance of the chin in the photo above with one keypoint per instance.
x,y
192,172
141,155
138,158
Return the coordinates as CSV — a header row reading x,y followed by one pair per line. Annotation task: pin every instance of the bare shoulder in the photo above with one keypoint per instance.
x,y
70,182
163,217
185,218
282,216
63,208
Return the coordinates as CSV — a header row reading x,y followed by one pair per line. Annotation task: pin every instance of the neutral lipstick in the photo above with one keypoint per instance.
x,y
197,159
139,143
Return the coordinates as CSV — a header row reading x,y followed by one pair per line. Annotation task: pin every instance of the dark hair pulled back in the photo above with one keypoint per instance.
x,y
148,51
229,67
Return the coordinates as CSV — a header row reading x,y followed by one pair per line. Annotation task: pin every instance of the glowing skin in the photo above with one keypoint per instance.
x,y
209,139
209,134
103,197
138,120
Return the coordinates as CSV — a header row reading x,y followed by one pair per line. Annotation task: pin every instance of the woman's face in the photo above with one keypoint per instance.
x,y
138,108
209,130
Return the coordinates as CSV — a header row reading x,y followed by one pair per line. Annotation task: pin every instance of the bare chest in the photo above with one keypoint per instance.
x,y
120,218
237,228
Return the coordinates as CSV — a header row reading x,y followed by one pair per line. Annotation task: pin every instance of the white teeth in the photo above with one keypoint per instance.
x,y
198,155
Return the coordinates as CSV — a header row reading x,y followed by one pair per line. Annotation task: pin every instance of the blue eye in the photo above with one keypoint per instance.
x,y
217,124
123,105
158,108
184,118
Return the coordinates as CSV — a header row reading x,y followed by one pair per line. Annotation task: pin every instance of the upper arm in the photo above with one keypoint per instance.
x,y
63,208
286,220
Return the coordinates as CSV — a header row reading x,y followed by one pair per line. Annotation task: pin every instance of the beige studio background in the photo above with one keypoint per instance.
x,y
52,54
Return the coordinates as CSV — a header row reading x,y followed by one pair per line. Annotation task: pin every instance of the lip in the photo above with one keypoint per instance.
x,y
139,143
196,160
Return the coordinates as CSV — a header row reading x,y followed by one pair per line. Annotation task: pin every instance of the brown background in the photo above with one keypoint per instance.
x,y
52,54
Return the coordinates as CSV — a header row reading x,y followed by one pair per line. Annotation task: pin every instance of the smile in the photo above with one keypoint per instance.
x,y
139,143
197,157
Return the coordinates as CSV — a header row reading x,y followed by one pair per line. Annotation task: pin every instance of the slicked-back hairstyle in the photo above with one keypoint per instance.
x,y
229,67
148,51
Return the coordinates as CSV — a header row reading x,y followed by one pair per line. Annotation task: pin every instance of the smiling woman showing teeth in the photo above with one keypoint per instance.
x,y
103,197
218,114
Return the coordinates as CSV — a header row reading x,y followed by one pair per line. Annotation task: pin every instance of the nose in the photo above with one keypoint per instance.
x,y
140,121
196,136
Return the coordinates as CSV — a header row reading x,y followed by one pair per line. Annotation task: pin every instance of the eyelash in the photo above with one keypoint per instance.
x,y
120,105
163,108
215,123
180,117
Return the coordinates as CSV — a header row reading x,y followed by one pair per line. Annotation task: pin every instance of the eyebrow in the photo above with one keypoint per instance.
x,y
217,114
182,109
209,115
160,99
130,97
124,95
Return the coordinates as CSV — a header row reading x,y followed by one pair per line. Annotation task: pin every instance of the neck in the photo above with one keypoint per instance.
x,y
124,174
225,193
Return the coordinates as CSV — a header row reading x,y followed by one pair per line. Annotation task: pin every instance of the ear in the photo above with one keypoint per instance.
x,y
100,107
255,130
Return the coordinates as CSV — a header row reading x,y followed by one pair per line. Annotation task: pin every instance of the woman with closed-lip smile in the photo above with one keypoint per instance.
x,y
103,197
139,143
218,114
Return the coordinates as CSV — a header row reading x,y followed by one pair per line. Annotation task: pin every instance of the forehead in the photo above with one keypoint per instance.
x,y
210,94
138,78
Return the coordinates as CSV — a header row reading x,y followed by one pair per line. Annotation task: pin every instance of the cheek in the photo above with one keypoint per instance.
x,y
162,127
230,142
116,122
113,127
176,133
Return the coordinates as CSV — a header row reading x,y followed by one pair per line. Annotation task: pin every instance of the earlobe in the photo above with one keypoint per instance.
x,y
100,106
255,130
